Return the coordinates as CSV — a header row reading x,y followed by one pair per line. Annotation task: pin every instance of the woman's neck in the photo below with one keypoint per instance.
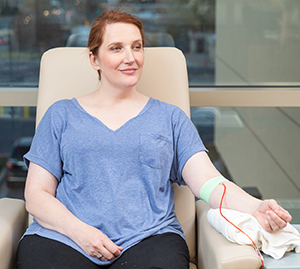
x,y
111,97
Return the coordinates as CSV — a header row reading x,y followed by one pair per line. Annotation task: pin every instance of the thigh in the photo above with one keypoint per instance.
x,y
165,251
39,252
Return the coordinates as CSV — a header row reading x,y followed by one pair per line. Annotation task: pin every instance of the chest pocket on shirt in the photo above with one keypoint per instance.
x,y
155,150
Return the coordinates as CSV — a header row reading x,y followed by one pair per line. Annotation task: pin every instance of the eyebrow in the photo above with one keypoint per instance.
x,y
120,43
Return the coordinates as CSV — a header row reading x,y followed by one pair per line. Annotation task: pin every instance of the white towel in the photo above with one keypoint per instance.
x,y
275,244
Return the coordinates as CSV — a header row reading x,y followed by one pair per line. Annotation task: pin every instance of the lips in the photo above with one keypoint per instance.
x,y
128,71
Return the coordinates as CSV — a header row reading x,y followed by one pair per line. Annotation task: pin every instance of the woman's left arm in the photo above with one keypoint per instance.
x,y
199,169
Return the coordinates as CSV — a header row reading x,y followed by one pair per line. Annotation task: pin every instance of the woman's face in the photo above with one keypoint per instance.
x,y
121,56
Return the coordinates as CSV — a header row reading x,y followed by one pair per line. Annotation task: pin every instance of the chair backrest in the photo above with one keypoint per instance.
x,y
67,73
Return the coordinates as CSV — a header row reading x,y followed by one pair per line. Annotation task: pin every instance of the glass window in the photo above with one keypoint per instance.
x,y
257,42
234,42
257,148
29,28
16,132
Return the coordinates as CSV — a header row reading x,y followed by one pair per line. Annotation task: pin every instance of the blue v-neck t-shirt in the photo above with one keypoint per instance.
x,y
117,181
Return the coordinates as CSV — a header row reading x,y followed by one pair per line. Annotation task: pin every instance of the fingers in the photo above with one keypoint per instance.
x,y
271,224
272,216
276,220
106,255
113,248
97,244
103,258
281,212
103,248
108,251
284,214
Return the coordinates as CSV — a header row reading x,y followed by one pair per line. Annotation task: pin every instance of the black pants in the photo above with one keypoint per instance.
x,y
165,251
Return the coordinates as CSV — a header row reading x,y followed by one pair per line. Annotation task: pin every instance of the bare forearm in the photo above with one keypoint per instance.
x,y
50,213
235,198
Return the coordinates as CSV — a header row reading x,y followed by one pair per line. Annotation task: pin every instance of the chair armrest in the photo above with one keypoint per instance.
x,y
215,251
13,222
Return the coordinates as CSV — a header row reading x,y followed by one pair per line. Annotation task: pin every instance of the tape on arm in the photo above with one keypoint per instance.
x,y
209,186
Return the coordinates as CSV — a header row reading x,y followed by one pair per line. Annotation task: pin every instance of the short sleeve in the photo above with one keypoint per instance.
x,y
187,142
45,147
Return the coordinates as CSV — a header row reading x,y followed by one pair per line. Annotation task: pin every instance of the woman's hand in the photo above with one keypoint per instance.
x,y
97,244
271,216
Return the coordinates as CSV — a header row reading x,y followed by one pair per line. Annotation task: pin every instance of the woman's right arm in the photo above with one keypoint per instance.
x,y
50,213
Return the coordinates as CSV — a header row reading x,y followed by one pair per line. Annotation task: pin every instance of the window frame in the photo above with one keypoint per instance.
x,y
227,96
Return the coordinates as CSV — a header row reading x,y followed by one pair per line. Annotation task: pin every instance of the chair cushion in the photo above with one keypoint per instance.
x,y
13,220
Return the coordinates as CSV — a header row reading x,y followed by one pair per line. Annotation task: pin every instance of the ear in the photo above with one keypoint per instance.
x,y
94,62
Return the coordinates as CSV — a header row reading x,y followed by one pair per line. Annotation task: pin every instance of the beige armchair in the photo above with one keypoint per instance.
x,y
66,73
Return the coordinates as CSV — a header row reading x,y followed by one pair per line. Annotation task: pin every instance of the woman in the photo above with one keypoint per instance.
x,y
101,169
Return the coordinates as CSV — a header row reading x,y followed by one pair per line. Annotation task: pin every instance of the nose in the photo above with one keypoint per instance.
x,y
129,58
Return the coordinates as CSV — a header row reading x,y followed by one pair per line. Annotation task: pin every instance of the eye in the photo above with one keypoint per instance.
x,y
137,47
115,48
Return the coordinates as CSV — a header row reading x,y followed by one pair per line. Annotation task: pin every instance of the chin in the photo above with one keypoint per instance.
x,y
131,83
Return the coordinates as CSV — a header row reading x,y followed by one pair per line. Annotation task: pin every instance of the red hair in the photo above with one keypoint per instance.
x,y
109,17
